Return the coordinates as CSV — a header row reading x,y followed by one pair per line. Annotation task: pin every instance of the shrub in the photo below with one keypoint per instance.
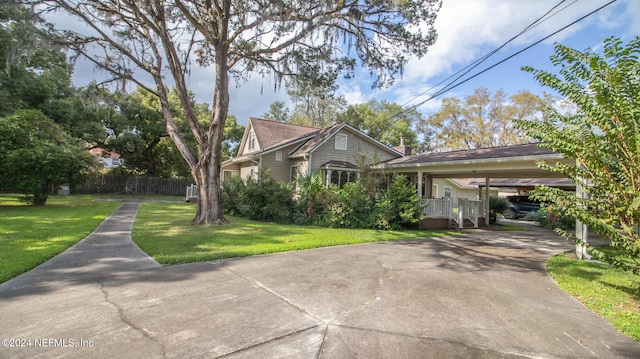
x,y
496,206
548,218
233,193
398,207
263,198
314,199
351,208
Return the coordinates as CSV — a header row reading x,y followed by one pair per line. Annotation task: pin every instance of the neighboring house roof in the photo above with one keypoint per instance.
x,y
466,183
530,149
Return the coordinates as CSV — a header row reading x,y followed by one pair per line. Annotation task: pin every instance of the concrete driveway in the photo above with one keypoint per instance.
x,y
480,294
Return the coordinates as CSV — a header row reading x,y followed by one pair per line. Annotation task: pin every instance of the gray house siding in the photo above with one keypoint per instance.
x,y
280,170
355,144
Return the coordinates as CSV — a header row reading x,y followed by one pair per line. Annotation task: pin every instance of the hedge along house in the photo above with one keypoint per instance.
x,y
340,152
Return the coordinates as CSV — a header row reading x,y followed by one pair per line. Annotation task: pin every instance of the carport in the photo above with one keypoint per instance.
x,y
517,161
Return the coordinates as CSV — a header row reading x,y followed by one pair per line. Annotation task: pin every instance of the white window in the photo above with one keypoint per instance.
x,y
278,155
252,140
447,192
341,141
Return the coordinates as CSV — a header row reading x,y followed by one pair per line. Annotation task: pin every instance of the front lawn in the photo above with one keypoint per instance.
x,y
610,292
163,231
30,235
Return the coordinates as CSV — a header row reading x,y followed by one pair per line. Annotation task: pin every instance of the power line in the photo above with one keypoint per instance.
x,y
477,62
452,86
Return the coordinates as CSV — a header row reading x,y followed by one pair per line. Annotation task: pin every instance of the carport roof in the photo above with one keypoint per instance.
x,y
530,149
516,161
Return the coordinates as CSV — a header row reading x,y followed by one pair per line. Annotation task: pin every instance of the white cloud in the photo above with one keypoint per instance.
x,y
467,29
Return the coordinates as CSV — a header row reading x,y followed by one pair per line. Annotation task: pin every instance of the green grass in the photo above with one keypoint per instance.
x,y
163,231
611,293
32,235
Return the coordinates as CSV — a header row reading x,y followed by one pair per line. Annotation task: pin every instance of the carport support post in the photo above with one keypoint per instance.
x,y
582,231
487,210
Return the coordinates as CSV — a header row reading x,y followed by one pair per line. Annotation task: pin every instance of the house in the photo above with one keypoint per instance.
x,y
107,159
467,188
290,151
449,182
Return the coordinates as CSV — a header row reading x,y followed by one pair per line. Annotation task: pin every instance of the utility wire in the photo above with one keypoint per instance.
x,y
452,86
477,62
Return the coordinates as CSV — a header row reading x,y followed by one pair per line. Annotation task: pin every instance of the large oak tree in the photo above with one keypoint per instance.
x,y
151,42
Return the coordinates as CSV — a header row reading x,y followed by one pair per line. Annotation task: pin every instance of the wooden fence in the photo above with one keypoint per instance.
x,y
109,184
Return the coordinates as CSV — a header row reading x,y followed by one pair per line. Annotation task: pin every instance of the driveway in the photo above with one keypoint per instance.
x,y
479,294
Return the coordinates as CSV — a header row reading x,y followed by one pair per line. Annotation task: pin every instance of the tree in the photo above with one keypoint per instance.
x,y
148,41
384,121
34,73
481,120
233,132
313,93
37,156
603,137
278,111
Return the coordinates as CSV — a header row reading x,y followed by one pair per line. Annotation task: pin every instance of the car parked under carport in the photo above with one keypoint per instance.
x,y
520,206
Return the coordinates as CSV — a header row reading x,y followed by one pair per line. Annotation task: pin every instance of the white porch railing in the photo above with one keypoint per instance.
x,y
192,192
455,209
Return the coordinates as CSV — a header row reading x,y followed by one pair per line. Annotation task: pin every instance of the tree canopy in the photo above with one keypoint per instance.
x,y
481,120
603,137
381,120
37,156
151,42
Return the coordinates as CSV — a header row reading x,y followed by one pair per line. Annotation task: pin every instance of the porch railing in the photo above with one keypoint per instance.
x,y
455,209
192,192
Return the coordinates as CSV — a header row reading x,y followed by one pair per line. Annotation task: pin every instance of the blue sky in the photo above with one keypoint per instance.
x,y
467,30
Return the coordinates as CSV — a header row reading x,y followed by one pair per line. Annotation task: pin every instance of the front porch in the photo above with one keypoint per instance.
x,y
452,213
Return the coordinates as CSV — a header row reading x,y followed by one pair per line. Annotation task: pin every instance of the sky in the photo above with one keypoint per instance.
x,y
467,30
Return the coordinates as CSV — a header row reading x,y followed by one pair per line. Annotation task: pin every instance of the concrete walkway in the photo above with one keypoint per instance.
x,y
479,294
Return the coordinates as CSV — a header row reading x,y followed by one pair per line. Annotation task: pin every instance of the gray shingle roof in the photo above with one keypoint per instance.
x,y
270,133
530,149
317,139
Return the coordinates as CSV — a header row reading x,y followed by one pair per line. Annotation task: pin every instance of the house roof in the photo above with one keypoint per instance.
x,y
525,182
339,164
318,139
325,134
271,133
530,149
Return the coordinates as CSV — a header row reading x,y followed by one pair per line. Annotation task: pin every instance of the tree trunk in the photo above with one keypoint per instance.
x,y
209,201
208,172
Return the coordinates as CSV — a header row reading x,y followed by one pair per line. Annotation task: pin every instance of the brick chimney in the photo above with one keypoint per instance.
x,y
405,150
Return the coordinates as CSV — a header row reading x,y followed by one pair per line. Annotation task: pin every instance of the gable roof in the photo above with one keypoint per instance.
x,y
317,140
270,133
325,134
